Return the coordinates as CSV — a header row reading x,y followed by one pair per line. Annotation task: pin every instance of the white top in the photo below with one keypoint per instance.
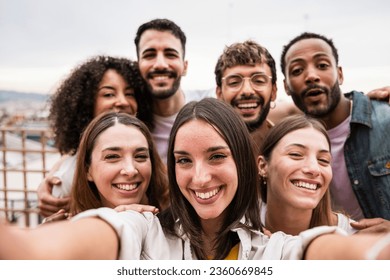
x,y
343,221
142,237
163,125
65,173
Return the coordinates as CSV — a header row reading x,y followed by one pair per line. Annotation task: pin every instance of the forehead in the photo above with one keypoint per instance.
x,y
121,135
159,40
197,133
308,137
308,48
247,70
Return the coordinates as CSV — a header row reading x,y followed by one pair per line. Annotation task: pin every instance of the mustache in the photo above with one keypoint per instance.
x,y
168,73
254,97
307,90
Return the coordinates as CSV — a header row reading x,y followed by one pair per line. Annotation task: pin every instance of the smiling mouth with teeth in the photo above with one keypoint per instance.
x,y
305,185
126,187
207,195
252,105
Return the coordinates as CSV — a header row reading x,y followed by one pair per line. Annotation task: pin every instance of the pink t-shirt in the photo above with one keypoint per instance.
x,y
343,196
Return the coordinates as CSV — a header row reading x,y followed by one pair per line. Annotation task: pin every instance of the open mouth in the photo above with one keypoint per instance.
x,y
305,185
247,106
207,195
314,92
126,187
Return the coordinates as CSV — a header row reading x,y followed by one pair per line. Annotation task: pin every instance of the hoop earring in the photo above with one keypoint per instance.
x,y
273,105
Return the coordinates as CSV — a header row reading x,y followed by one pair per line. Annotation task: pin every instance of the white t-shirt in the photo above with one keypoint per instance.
x,y
65,173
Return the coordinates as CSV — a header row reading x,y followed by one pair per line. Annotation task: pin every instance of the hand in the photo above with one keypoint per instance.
x,y
374,225
137,207
48,204
267,232
380,94
59,216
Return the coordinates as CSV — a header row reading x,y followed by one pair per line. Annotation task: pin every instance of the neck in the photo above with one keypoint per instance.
x,y
259,134
339,114
210,230
288,220
170,106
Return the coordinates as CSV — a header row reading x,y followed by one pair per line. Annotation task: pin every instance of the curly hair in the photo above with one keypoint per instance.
x,y
72,105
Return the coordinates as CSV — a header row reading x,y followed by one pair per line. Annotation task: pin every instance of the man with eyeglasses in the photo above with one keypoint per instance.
x,y
246,79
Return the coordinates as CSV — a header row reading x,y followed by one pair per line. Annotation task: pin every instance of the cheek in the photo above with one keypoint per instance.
x,y
183,177
328,174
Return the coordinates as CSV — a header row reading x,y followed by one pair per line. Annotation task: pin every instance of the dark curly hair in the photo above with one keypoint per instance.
x,y
72,105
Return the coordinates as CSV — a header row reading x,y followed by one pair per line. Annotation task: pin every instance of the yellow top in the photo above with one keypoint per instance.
x,y
233,254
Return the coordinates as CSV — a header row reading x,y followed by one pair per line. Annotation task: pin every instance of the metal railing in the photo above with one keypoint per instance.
x,y
23,165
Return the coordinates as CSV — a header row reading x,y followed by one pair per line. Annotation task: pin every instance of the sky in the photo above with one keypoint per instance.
x,y
41,41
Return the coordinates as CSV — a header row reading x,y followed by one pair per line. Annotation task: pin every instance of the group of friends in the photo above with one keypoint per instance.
x,y
161,173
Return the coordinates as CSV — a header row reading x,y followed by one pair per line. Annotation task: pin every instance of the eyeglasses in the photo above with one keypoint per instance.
x,y
257,81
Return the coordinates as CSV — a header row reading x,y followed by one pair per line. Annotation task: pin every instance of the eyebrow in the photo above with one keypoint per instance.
x,y
316,56
304,147
111,87
117,149
209,150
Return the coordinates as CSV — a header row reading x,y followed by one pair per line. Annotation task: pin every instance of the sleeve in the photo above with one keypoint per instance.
x,y
130,226
287,247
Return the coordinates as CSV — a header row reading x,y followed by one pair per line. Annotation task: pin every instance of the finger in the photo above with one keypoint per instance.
x,y
365,223
54,180
59,216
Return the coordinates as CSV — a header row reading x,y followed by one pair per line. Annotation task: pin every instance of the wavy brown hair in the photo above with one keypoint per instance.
x,y
84,194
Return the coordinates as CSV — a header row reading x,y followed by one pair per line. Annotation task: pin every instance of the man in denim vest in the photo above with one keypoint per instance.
x,y
359,128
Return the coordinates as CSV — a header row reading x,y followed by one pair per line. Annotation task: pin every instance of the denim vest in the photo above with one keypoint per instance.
x,y
367,154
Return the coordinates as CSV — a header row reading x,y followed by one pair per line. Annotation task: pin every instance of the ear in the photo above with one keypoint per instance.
x,y
274,92
286,87
340,75
89,176
218,92
185,68
262,165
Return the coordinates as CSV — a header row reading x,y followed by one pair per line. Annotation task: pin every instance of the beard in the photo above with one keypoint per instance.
x,y
318,110
255,124
258,121
163,93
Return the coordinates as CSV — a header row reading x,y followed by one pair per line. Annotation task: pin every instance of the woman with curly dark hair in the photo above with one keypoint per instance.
x,y
100,84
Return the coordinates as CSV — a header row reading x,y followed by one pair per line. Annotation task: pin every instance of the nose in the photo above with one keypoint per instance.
x,y
311,167
121,100
247,88
128,168
312,75
160,62
201,175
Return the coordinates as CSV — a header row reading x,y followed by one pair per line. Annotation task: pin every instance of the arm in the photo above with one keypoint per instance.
x,y
336,247
81,239
47,203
